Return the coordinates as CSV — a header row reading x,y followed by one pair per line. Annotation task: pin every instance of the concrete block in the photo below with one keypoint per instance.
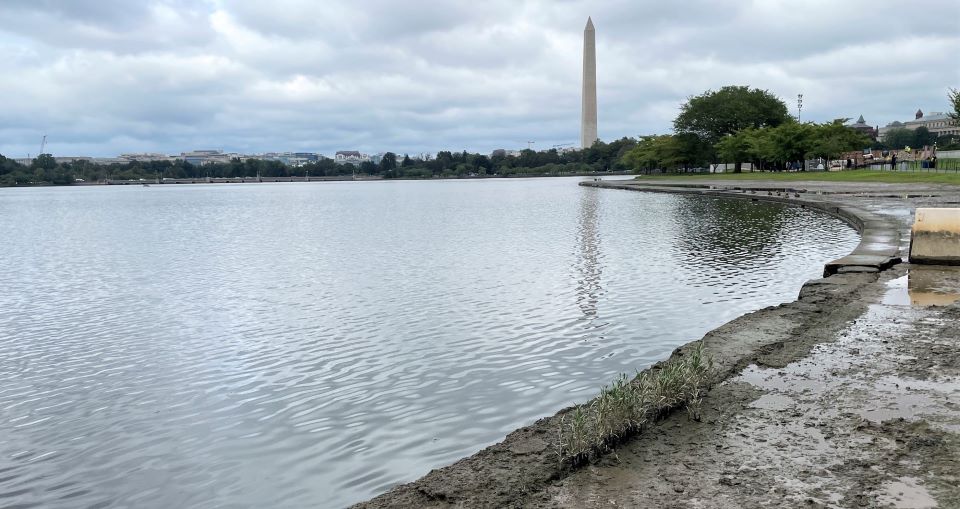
x,y
935,237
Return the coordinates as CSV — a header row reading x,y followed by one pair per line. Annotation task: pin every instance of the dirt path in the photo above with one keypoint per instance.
x,y
868,419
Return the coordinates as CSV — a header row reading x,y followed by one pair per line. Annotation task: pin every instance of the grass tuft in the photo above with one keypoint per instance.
x,y
625,406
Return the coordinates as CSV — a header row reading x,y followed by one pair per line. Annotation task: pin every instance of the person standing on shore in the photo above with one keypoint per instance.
x,y
893,160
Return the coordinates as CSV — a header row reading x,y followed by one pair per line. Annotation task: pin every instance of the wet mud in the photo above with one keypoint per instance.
x,y
869,419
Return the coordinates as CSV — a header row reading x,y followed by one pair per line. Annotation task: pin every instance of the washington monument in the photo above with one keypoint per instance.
x,y
588,118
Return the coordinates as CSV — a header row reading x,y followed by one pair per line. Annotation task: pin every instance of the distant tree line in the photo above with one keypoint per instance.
x,y
900,138
735,124
601,157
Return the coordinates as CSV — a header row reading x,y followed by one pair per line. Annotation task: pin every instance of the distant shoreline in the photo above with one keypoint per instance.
x,y
272,180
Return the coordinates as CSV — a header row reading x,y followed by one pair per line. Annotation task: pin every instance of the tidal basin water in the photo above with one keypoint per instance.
x,y
293,345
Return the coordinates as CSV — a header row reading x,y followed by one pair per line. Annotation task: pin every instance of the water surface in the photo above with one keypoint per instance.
x,y
293,345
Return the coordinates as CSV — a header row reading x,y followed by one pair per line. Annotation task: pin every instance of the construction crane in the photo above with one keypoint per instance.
x,y
43,144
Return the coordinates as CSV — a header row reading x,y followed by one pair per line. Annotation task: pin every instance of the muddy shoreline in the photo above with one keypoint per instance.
x,y
523,470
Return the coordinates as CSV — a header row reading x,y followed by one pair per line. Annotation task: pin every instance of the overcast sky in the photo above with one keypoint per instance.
x,y
101,77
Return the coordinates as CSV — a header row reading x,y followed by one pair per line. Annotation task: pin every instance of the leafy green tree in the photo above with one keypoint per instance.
x,y
444,160
481,163
253,167
528,158
832,139
655,152
388,163
763,149
923,137
8,165
713,115
368,167
276,169
898,138
948,142
44,162
791,141
737,147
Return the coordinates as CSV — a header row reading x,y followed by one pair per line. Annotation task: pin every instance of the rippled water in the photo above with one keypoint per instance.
x,y
295,345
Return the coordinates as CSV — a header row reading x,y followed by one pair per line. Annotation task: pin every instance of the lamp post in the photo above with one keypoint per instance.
x,y
799,105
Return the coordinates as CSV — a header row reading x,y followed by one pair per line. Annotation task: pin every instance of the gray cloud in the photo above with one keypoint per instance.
x,y
107,76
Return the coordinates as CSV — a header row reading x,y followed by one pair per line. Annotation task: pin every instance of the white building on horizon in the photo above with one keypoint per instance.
x,y
145,157
202,157
937,122
353,157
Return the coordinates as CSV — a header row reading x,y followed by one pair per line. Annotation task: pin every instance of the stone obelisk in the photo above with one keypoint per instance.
x,y
588,118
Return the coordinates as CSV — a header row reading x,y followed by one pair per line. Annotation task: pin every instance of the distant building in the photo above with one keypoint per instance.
x,y
202,157
350,157
309,156
862,126
937,122
144,157
295,159
104,160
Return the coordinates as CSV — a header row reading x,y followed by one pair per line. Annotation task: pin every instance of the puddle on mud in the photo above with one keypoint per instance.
x,y
773,402
910,399
924,286
906,493
813,419
860,372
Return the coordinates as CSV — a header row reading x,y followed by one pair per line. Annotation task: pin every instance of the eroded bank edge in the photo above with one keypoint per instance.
x,y
503,474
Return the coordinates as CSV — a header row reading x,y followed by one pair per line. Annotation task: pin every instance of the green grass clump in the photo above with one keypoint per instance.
x,y
625,406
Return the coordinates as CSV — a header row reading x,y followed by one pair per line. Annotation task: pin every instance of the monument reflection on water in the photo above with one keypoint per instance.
x,y
291,345
589,270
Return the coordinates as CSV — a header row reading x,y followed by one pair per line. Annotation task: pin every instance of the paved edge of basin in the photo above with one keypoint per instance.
x,y
525,461
879,247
